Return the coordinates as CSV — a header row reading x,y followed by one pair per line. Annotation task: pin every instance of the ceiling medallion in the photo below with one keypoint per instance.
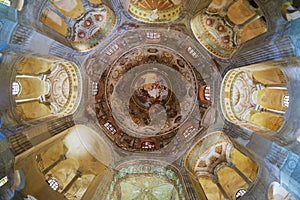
x,y
150,95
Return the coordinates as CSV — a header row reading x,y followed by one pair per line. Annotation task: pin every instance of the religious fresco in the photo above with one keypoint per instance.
x,y
151,89
223,171
83,27
147,180
145,97
257,99
45,87
157,11
224,25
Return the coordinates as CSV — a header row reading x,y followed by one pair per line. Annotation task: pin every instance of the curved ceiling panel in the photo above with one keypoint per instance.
x,y
147,180
157,11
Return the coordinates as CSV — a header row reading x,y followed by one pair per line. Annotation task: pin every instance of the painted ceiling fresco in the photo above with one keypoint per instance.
x,y
148,94
224,25
148,98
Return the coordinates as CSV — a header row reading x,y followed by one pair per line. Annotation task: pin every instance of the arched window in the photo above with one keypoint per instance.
x,y
16,88
240,193
205,93
53,183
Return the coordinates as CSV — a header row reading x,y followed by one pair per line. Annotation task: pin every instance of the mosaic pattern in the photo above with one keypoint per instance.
x,y
148,94
289,174
91,29
146,180
156,11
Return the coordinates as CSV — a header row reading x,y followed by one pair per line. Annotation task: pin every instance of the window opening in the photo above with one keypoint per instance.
x,y
112,50
15,88
207,93
148,145
153,35
3,181
110,128
286,100
53,183
95,88
192,52
187,132
240,193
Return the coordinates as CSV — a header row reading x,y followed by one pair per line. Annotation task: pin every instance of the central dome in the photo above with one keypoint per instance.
x,y
149,92
152,99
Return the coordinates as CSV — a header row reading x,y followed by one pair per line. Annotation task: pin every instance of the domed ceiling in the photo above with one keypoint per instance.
x,y
149,88
147,92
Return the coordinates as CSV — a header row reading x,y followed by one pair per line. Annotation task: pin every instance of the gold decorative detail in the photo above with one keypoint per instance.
x,y
71,8
155,11
224,25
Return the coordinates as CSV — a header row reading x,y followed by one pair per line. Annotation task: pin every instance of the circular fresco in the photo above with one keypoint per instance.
x,y
151,99
146,95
